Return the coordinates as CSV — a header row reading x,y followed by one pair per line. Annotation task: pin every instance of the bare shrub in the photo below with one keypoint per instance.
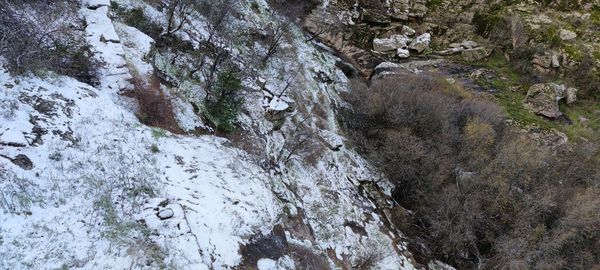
x,y
16,193
45,35
217,13
300,142
486,196
213,55
275,36
294,9
369,257
586,78
305,258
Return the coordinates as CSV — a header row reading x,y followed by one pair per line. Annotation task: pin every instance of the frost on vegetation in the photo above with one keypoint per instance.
x,y
170,72
39,37
16,193
84,188
8,105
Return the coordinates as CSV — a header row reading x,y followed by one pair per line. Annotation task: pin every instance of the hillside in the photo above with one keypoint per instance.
x,y
284,134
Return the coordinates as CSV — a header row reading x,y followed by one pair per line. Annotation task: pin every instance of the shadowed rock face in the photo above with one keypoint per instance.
x,y
272,246
23,161
369,32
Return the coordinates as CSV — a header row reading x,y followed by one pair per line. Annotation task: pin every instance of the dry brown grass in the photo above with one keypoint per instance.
x,y
154,107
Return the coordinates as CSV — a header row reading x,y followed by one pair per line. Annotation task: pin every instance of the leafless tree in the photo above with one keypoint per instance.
x,y
178,13
217,14
214,53
300,140
275,37
219,58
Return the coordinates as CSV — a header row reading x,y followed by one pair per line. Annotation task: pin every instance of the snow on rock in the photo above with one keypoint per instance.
x,y
109,193
105,43
96,3
13,138
278,104
392,43
271,101
284,263
227,196
325,179
267,264
332,140
420,43
137,46
187,119
165,213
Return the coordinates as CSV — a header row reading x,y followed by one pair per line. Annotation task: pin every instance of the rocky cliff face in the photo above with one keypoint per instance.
x,y
84,184
128,166
516,44
537,59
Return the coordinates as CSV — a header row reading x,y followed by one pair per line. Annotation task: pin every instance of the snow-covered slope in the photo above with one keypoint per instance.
x,y
97,170
85,185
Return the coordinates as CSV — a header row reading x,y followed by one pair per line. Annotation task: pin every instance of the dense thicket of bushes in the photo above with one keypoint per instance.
x,y
482,195
45,35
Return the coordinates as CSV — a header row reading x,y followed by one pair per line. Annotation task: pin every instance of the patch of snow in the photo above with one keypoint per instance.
x,y
105,43
267,264
185,115
13,137
137,46
278,104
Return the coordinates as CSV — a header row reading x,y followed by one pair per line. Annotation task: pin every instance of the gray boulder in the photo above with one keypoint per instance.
x,y
400,9
469,44
390,44
407,31
403,53
406,9
543,98
567,34
420,43
165,213
451,51
418,8
375,14
475,54
571,94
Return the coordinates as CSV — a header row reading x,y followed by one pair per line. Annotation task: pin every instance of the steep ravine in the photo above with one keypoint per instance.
x,y
103,190
518,60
